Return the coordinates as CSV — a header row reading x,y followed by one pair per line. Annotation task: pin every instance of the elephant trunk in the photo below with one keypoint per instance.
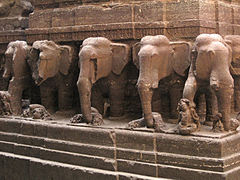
x,y
7,67
146,94
84,89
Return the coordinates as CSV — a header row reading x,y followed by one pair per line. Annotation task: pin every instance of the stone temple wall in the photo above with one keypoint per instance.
x,y
68,20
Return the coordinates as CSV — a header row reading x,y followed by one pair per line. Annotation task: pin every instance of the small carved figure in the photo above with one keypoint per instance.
x,y
211,68
102,65
5,107
157,58
217,123
36,111
11,8
188,120
53,67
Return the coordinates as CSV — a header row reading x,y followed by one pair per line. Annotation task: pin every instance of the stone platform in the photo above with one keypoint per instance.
x,y
59,150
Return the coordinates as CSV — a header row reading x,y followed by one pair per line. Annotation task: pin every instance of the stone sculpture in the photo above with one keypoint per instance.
x,y
102,61
211,68
188,118
11,8
5,107
157,58
53,67
36,111
17,69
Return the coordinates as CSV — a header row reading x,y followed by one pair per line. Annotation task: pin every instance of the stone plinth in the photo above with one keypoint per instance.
x,y
56,149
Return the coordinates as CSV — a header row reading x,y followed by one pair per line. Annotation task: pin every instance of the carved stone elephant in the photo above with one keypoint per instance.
x,y
102,63
210,67
234,42
53,67
157,58
17,69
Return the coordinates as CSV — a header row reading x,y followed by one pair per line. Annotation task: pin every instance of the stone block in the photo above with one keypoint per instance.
x,y
10,125
135,140
27,128
148,12
207,10
174,172
30,140
182,10
189,145
86,135
8,137
41,19
225,12
6,147
96,150
78,159
16,168
225,28
102,15
136,155
135,167
63,17
2,168
236,14
40,129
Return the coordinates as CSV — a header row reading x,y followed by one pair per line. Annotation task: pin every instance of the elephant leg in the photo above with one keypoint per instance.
x,y
117,99
65,96
48,97
237,93
175,96
211,106
190,89
224,97
97,99
15,91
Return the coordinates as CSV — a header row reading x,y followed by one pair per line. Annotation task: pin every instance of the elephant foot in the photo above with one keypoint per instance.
x,y
219,127
234,124
137,123
78,118
209,120
187,129
158,124
37,111
97,118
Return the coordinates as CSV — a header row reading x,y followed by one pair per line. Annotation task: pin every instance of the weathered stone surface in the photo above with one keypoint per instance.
x,y
137,168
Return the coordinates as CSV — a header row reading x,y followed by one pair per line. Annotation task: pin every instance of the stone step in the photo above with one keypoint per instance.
x,y
20,167
138,152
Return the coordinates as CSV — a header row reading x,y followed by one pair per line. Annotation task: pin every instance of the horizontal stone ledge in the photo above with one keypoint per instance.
x,y
116,31
13,35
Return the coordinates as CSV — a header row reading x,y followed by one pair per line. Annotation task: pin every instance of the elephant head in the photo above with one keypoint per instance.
x,y
157,57
15,60
234,42
98,57
46,59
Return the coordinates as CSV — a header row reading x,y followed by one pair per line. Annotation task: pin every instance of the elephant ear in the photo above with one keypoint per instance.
x,y
135,50
66,57
181,57
120,57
